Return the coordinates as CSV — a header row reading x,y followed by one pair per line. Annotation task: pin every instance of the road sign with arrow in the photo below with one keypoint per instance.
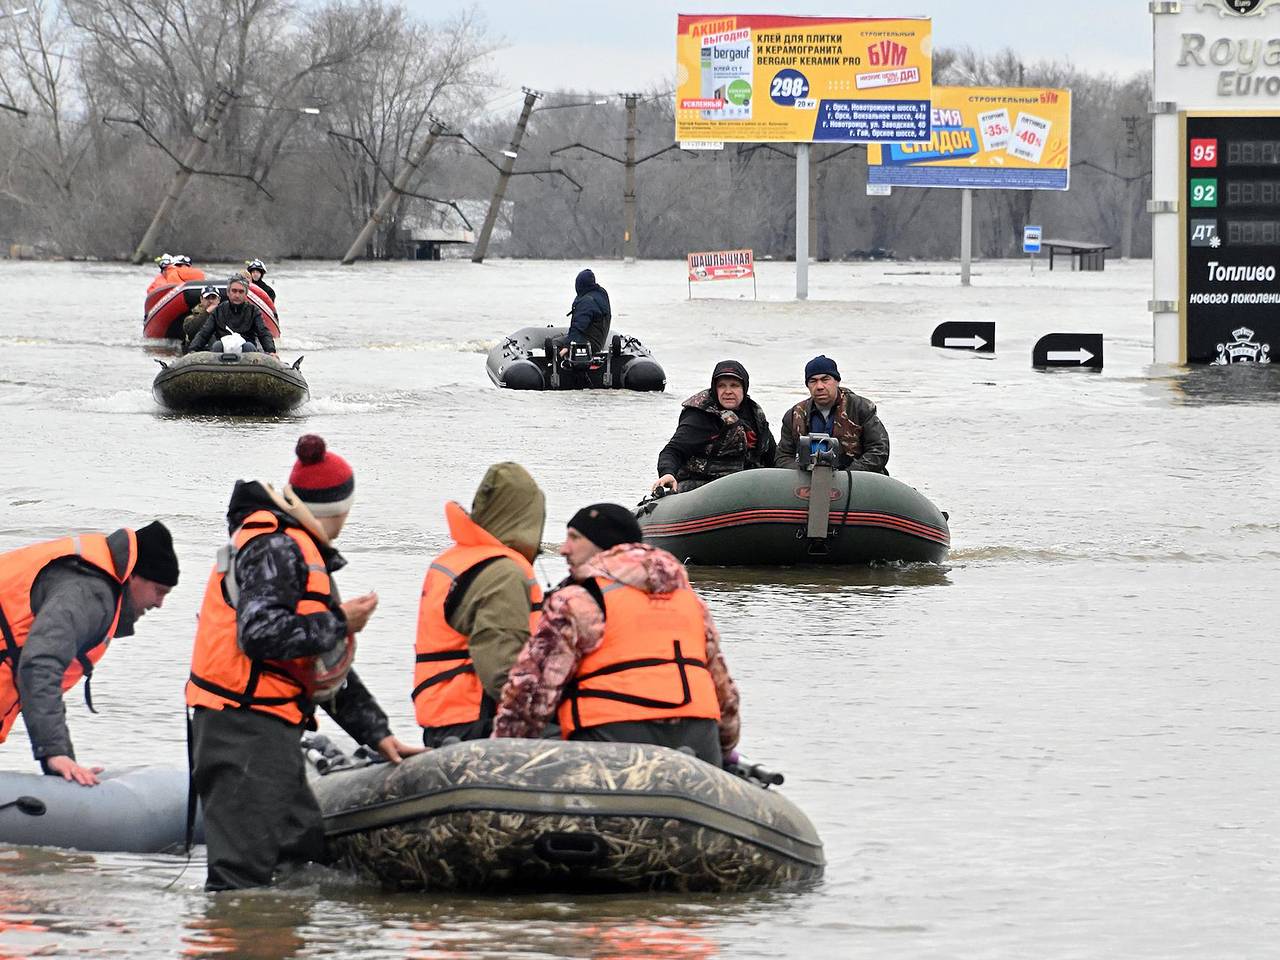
x,y
1080,350
978,336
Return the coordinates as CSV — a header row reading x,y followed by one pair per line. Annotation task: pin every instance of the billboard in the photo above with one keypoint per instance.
x,y
762,78
1005,138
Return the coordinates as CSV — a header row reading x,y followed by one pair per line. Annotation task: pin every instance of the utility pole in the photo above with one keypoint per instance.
x,y
504,175
1131,154
186,166
629,183
393,194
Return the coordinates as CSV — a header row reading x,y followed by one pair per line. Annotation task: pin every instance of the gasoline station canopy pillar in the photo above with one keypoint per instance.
x,y
1215,181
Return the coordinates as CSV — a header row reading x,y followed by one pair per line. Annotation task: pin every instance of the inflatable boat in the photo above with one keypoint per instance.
x,y
770,517
135,810
527,361
165,307
230,383
543,815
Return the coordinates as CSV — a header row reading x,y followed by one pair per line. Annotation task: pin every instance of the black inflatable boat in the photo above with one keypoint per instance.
x,y
526,360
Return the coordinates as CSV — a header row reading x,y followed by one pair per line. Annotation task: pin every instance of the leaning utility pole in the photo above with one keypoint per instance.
x,y
629,184
504,175
186,167
394,192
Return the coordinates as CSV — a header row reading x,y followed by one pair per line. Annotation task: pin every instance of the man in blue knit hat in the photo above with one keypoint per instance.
x,y
837,412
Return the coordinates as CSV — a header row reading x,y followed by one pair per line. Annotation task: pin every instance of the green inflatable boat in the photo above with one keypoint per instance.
x,y
499,816
252,383
771,517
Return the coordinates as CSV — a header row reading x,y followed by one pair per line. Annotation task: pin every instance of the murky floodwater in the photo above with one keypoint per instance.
x,y
1060,744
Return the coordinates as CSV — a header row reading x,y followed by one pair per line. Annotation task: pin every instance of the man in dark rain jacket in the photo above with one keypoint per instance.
x,y
721,431
837,412
590,316
273,639
61,604
237,315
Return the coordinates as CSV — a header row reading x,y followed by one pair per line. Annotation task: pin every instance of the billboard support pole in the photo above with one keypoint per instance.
x,y
802,221
504,175
966,234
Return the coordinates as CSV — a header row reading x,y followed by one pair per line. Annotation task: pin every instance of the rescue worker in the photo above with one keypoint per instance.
x,y
166,277
191,324
480,601
721,431
61,605
184,271
237,315
274,639
626,653
255,270
840,413
590,316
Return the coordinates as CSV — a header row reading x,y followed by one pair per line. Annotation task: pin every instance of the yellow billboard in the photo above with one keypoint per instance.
x,y
1008,138
769,79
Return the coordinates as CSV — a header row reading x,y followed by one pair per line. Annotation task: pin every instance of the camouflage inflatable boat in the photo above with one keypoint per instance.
x,y
769,517
230,383
526,360
541,815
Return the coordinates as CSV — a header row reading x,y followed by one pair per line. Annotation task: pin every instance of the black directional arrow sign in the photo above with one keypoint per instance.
x,y
1080,350
978,336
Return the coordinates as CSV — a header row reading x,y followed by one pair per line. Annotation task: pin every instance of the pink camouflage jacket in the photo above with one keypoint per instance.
x,y
572,626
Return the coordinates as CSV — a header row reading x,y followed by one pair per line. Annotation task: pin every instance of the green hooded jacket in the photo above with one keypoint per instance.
x,y
494,611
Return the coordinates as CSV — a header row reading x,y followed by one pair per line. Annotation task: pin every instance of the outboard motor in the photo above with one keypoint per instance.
x,y
819,454
579,358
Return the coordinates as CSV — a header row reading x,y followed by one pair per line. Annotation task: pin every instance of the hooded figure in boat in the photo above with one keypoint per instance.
x,y
721,431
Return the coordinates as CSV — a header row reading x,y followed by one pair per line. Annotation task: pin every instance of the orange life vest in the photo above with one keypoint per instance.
x,y
221,675
446,690
650,665
186,274
165,278
18,572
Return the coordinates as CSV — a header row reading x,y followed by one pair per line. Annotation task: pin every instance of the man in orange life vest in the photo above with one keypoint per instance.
x,y
480,600
61,604
273,639
627,652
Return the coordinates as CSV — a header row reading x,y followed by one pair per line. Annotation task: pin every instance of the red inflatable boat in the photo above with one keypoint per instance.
x,y
166,306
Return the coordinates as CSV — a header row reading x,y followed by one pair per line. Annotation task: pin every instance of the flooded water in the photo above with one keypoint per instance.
x,y
1058,744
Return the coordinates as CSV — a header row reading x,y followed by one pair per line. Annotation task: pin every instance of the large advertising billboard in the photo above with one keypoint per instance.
x,y
773,79
984,138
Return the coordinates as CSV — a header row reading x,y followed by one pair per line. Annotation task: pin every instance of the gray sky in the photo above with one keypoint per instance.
x,y
614,45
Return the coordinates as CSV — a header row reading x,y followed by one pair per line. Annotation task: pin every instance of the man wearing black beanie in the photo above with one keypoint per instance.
x,y
61,603
835,411
625,651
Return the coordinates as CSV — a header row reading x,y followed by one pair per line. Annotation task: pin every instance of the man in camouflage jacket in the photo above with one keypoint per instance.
x,y
837,412
573,626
